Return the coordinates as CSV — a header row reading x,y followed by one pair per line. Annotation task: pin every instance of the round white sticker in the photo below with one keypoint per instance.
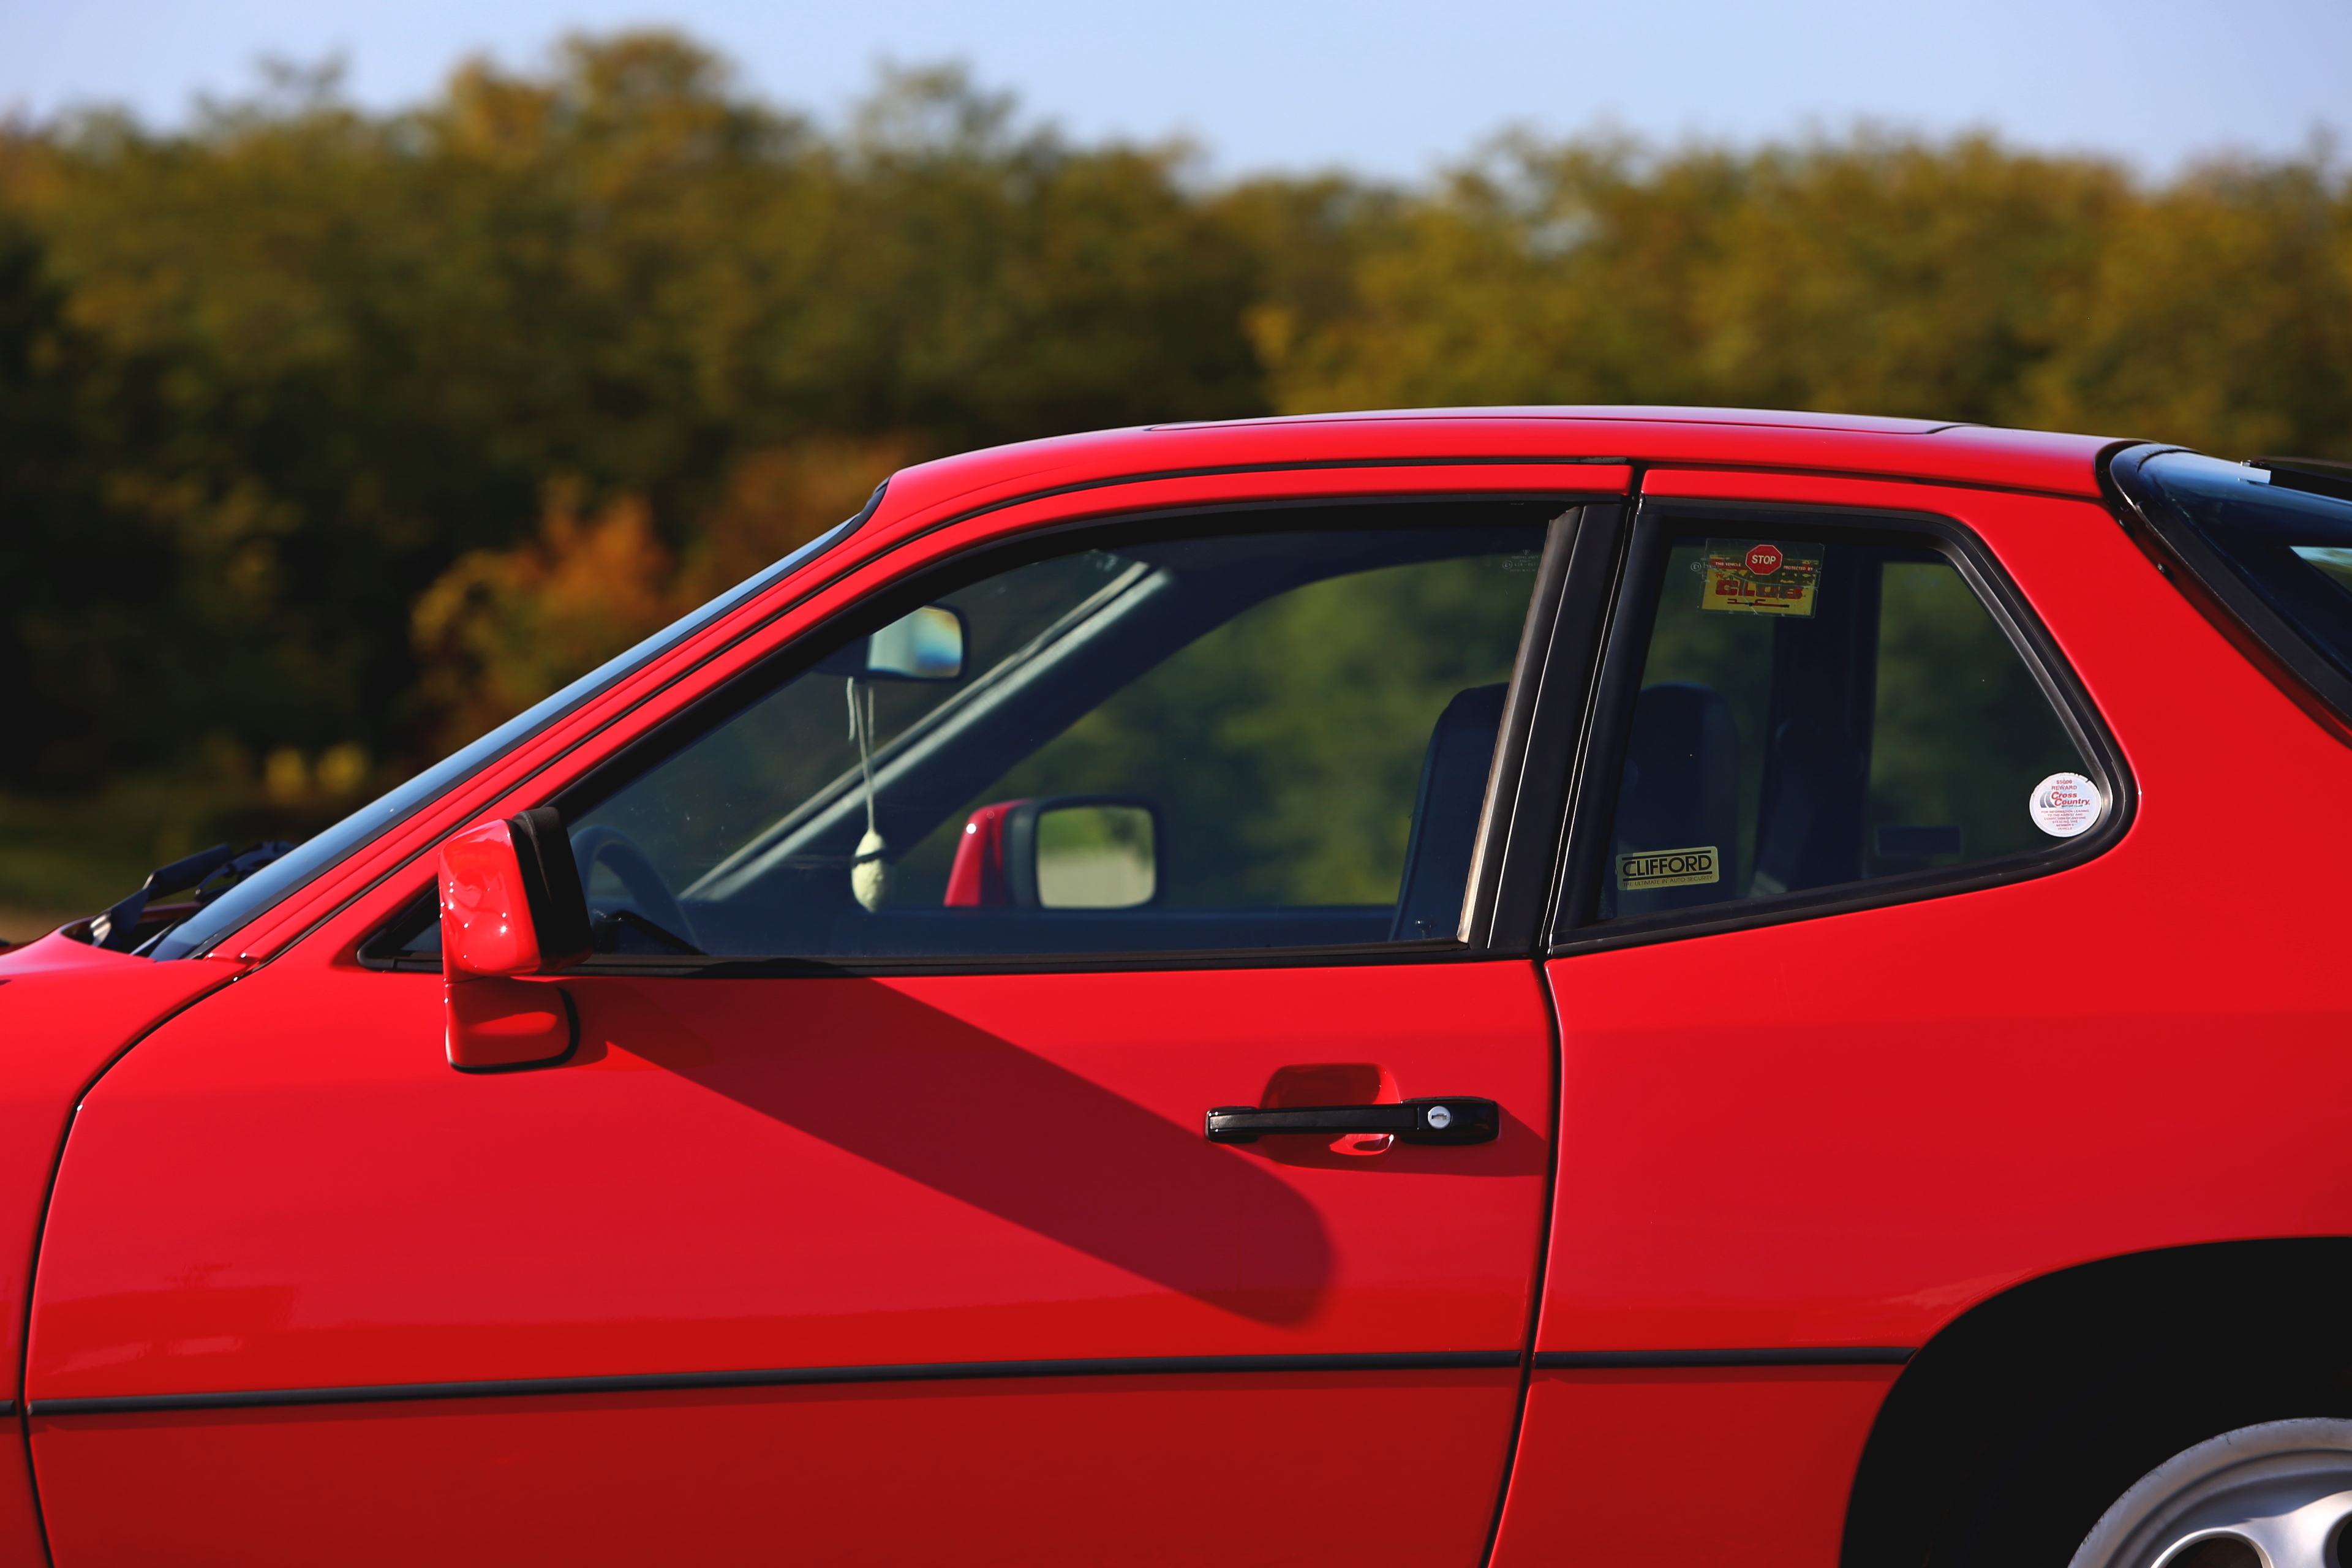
x,y
2064,804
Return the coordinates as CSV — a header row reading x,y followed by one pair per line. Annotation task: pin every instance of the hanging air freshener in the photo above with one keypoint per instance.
x,y
869,874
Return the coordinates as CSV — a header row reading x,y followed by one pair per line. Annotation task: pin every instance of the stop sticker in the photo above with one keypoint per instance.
x,y
1764,559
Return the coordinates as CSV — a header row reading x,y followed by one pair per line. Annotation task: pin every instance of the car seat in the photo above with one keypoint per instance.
x,y
1445,810
1680,791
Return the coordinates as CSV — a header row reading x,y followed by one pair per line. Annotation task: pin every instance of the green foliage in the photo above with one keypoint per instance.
x,y
1958,280
1962,732
273,375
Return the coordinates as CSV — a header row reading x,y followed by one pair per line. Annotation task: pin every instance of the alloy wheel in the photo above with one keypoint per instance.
x,y
2274,1495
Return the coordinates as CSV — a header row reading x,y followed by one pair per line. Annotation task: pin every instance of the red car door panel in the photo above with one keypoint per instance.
x,y
767,1181
1175,1469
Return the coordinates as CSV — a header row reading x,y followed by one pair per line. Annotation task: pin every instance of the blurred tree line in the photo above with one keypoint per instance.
x,y
328,438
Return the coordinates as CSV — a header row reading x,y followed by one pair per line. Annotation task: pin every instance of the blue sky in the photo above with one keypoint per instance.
x,y
1380,87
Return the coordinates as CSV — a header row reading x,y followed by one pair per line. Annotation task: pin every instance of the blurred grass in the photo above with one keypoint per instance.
x,y
62,859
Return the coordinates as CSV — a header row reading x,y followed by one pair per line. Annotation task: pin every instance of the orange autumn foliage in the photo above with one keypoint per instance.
x,y
502,629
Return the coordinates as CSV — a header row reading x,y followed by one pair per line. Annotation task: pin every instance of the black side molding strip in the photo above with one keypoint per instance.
x,y
7,1408
775,1377
1810,1355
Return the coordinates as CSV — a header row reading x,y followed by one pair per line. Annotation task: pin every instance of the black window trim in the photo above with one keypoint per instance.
x,y
1517,845
1593,812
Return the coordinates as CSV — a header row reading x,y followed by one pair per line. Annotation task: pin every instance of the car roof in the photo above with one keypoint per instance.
x,y
1858,444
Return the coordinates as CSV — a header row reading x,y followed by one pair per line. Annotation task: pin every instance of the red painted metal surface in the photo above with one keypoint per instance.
x,y
492,1023
492,1019
485,927
977,876
66,1009
1948,1097
2017,1069
1198,1468
288,1189
799,1172
1674,1465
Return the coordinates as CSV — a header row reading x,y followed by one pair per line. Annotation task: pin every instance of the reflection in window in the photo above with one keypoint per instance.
x,y
2287,535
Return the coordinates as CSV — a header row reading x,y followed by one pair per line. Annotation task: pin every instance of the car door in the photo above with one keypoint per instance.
x,y
872,1216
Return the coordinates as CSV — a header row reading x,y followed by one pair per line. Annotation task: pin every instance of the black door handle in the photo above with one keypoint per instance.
x,y
1458,1119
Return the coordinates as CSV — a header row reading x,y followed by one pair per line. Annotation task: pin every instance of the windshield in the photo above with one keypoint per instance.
x,y
240,904
2291,546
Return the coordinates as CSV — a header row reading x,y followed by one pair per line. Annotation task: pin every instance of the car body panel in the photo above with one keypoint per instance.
x,y
1745,438
1035,1471
2008,1063
766,1179
745,1144
2029,1077
67,1009
1691,1466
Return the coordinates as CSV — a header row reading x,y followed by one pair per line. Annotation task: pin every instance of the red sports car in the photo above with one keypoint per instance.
x,y
1500,987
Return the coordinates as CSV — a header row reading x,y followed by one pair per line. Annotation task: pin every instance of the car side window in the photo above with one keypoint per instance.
x,y
1814,713
1263,739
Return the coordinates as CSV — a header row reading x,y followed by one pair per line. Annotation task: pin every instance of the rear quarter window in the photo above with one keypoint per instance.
x,y
2274,545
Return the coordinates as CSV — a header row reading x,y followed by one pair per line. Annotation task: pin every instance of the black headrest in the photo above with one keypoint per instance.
x,y
1445,814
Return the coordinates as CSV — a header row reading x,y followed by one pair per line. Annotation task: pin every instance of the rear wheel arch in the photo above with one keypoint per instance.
x,y
2016,1425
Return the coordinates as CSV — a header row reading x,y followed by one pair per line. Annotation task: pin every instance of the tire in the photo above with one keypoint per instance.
x,y
2276,1495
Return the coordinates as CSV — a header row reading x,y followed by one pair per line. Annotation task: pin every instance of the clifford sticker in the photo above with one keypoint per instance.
x,y
1647,868
2064,804
1756,577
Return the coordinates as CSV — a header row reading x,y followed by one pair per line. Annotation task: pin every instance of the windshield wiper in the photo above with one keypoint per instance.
x,y
117,930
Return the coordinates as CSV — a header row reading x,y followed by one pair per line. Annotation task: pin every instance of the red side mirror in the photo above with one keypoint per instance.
x,y
510,905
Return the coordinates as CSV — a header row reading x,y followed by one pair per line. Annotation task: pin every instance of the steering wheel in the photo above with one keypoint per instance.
x,y
618,853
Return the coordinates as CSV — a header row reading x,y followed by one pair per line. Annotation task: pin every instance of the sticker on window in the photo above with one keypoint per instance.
x,y
1644,869
1755,577
2064,804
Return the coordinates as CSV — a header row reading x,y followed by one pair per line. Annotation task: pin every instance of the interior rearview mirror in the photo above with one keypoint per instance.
x,y
512,906
923,644
1083,852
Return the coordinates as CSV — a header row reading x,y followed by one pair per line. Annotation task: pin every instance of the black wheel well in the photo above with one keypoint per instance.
x,y
2011,1430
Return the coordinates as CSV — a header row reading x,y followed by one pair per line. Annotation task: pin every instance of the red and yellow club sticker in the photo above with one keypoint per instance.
x,y
1757,577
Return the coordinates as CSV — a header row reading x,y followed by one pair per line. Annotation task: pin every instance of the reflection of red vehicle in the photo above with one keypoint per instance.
x,y
1290,1129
